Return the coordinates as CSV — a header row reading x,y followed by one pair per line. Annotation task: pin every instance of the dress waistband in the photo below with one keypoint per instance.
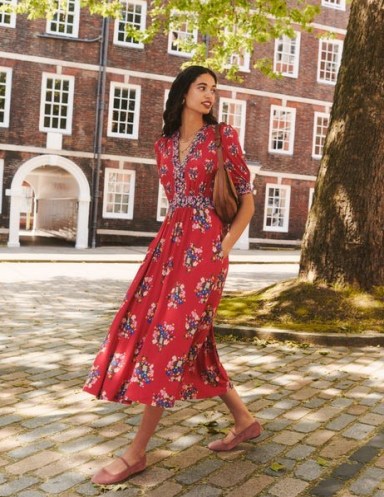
x,y
196,201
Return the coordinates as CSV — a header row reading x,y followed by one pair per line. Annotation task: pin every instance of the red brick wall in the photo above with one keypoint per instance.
x,y
26,92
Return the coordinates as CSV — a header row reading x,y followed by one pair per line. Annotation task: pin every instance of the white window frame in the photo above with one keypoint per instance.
x,y
292,112
7,99
287,43
162,203
123,21
135,131
71,79
1,183
310,198
331,4
181,53
243,110
318,115
131,194
336,43
62,11
284,227
12,21
234,60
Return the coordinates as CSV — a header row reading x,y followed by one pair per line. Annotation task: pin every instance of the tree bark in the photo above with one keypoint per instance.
x,y
344,238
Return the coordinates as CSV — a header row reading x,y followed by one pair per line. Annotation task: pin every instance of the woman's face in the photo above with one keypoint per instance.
x,y
201,94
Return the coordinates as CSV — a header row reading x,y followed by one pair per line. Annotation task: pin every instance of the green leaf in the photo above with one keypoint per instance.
x,y
322,462
276,466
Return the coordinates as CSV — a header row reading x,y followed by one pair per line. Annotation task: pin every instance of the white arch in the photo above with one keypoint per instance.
x,y
16,194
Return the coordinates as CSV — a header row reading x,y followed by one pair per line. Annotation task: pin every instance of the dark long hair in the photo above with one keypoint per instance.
x,y
175,101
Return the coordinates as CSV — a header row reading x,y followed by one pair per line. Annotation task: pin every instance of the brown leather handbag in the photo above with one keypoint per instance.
x,y
225,198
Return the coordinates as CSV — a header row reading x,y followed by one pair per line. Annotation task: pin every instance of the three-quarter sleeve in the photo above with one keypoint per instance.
x,y
234,161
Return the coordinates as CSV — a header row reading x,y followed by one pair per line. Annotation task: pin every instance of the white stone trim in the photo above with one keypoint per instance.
x,y
74,153
147,234
157,77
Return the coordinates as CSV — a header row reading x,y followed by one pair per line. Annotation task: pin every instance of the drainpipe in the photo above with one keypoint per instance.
x,y
98,145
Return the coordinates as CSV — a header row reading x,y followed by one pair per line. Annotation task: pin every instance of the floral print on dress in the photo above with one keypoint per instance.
x,y
167,268
93,376
138,347
163,399
192,257
128,326
151,312
175,368
122,391
177,233
220,282
188,392
143,373
177,296
201,220
191,324
217,250
203,289
163,335
144,288
103,346
211,376
116,364
158,250
207,318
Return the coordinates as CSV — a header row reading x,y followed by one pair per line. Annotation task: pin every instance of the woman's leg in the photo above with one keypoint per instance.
x,y
137,448
241,415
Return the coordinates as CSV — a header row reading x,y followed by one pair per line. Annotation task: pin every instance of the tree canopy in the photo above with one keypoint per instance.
x,y
227,29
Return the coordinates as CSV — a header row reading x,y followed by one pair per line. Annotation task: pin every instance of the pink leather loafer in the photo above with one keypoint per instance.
x,y
103,477
252,431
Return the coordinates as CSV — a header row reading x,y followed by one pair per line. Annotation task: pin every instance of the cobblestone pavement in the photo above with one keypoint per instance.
x,y
322,410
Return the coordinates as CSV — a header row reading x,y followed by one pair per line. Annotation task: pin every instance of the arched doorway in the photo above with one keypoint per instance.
x,y
62,195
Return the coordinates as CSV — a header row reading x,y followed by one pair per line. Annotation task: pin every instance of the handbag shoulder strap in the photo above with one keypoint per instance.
x,y
220,162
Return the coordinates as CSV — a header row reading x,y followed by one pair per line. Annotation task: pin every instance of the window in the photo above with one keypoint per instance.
x,y
133,14
162,204
329,60
183,34
282,130
7,19
232,112
124,110
5,95
65,21
287,54
276,212
310,198
57,103
334,4
242,61
119,191
320,128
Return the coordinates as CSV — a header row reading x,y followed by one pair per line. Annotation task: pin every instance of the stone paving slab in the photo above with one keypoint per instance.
x,y
322,410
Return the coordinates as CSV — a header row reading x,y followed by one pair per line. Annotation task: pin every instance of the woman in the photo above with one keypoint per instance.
x,y
161,346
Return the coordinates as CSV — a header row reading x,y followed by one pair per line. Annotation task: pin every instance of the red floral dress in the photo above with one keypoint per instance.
x,y
160,347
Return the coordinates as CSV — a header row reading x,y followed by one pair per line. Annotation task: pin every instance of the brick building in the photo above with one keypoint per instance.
x,y
81,106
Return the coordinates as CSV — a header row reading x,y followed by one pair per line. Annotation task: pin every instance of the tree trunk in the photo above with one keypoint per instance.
x,y
344,238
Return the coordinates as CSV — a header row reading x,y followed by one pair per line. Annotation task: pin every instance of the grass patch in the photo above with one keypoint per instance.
x,y
301,306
